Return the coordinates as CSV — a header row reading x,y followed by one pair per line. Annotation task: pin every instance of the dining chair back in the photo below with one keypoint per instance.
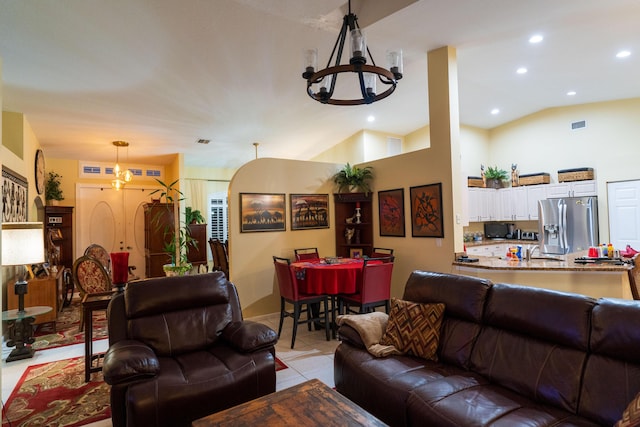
x,y
634,277
220,256
91,278
304,254
381,253
374,289
302,303
101,254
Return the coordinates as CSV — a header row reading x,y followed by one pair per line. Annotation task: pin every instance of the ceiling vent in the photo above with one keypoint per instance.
x,y
578,125
203,141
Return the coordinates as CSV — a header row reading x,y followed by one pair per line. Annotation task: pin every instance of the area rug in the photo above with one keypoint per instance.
x,y
55,394
67,330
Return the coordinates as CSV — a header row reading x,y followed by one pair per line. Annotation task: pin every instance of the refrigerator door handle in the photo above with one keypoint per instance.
x,y
563,226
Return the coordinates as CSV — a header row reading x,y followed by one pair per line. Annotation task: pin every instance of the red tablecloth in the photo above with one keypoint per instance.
x,y
321,278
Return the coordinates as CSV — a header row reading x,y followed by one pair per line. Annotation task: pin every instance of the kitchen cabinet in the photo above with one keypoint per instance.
x,y
499,249
482,204
58,223
345,209
512,204
535,193
573,189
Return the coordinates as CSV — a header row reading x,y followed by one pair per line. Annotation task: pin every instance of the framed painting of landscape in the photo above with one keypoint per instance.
x,y
262,212
309,211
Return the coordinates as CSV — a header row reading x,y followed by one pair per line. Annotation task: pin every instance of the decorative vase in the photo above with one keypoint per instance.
x,y
176,270
494,183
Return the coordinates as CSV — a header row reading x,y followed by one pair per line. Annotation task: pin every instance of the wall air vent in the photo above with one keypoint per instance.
x,y
578,125
203,141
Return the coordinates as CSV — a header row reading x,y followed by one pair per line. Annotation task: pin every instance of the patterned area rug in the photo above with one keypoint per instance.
x,y
67,330
55,394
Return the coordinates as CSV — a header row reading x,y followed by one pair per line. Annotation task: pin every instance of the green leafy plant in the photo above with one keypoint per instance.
x,y
180,235
353,178
192,216
495,173
52,190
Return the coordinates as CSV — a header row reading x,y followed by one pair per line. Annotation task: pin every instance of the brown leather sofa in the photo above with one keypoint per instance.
x,y
508,356
179,350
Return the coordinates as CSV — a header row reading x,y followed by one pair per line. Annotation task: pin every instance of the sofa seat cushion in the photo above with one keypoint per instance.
x,y
198,383
469,399
382,385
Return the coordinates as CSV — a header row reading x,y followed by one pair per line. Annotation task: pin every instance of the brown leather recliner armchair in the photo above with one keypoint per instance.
x,y
179,350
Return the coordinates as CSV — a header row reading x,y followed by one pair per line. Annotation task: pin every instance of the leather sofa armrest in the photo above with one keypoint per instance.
x,y
349,335
127,361
247,336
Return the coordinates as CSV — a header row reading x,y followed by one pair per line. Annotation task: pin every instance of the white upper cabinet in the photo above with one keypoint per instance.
x,y
573,189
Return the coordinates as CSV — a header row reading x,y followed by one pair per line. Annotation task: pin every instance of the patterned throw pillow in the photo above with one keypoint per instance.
x,y
414,328
631,415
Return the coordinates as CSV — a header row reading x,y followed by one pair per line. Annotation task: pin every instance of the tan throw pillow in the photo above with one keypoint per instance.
x,y
631,415
414,328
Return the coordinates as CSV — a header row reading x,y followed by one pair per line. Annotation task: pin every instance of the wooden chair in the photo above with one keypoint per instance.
x,y
634,277
289,293
374,290
101,254
220,256
91,278
381,253
304,254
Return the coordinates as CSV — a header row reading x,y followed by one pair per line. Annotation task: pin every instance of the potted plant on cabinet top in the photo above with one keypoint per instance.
x,y
495,177
353,178
52,191
176,247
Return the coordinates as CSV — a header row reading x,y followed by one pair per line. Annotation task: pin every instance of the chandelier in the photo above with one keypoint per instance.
x,y
321,84
121,177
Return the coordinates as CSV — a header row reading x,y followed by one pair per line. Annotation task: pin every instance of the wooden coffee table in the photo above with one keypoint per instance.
x,y
308,404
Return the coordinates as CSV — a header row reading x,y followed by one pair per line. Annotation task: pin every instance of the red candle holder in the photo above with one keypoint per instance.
x,y
119,268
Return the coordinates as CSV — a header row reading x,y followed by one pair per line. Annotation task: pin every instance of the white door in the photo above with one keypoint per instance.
x,y
113,219
624,214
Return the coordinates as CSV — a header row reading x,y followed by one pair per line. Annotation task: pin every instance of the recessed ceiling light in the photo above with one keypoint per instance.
x,y
536,38
571,93
623,54
521,70
495,111
371,119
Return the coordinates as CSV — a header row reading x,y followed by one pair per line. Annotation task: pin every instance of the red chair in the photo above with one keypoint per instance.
x,y
634,277
289,293
381,253
306,254
374,290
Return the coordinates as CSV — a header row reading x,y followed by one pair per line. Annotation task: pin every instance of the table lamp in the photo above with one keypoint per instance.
x,y
22,244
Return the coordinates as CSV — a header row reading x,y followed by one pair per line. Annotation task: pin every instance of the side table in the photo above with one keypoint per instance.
x,y
91,303
21,330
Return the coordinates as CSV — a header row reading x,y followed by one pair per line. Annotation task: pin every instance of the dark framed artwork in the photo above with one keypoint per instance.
x,y
262,212
309,211
15,188
426,211
356,253
391,212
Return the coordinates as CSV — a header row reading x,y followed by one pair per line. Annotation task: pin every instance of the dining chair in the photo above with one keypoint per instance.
x,y
289,293
374,289
220,256
634,277
381,253
304,254
91,278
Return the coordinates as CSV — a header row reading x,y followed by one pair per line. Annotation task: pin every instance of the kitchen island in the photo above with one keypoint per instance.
x,y
561,274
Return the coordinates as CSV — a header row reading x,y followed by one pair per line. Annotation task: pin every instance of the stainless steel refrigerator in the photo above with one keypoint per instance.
x,y
568,224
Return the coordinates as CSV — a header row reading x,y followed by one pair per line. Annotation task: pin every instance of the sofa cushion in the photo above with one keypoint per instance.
x,y
631,415
414,328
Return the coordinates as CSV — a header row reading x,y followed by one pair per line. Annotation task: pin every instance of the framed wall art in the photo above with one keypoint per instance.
x,y
262,212
356,253
309,211
15,189
426,211
391,212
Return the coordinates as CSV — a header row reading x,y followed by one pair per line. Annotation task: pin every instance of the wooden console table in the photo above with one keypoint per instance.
x,y
40,292
311,403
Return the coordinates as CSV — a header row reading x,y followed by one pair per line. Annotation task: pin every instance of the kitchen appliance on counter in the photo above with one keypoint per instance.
x,y
567,224
495,230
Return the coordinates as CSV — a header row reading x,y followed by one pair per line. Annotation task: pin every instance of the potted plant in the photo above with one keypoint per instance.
x,y
192,216
495,177
176,247
352,178
52,191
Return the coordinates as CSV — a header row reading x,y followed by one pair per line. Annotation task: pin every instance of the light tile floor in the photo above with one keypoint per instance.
x,y
312,357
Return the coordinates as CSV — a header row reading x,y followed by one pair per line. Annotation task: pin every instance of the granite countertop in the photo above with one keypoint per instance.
x,y
567,264
486,242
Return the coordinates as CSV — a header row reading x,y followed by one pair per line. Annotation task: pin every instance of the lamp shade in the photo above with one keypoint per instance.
x,y
22,243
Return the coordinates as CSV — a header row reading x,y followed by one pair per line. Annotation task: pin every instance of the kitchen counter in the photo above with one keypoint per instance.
x,y
595,280
511,242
